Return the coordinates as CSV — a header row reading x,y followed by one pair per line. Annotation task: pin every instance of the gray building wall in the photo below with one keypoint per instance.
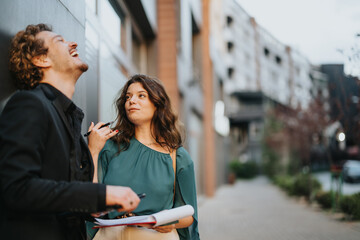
x,y
189,82
65,16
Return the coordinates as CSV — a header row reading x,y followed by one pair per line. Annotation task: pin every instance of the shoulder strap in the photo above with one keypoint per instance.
x,y
173,157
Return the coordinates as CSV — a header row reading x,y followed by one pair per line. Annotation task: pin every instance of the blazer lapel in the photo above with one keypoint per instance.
x,y
91,163
57,105
58,108
72,159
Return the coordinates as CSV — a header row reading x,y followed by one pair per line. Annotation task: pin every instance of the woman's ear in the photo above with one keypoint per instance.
x,y
41,61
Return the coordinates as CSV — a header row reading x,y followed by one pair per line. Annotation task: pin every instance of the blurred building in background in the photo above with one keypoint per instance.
x,y
260,72
221,69
344,94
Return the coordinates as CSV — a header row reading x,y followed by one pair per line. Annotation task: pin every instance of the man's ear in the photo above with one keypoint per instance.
x,y
41,61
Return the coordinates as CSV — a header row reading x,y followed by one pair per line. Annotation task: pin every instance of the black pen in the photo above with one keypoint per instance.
x,y
141,195
105,125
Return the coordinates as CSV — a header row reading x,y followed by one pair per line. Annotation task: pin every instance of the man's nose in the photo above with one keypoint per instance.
x,y
73,44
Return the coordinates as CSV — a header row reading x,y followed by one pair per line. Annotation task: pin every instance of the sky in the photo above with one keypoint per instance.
x,y
319,29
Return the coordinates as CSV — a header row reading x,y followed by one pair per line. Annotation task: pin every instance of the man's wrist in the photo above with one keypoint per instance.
x,y
102,197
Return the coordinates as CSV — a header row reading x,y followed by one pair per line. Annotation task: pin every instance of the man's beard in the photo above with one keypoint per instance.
x,y
84,67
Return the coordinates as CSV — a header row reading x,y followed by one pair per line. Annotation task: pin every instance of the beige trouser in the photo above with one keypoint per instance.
x,y
133,233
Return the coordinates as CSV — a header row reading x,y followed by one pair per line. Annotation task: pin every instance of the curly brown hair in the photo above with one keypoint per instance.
x,y
165,125
25,46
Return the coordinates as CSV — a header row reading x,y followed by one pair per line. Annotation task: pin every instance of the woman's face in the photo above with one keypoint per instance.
x,y
139,109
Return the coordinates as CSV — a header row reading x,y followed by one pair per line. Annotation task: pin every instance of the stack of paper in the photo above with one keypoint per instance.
x,y
157,219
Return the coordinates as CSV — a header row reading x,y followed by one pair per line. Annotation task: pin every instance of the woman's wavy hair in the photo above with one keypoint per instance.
x,y
25,46
165,125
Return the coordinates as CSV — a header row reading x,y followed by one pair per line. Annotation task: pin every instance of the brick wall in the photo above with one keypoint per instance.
x,y
166,49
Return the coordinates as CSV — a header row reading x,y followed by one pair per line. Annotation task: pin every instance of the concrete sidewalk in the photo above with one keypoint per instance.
x,y
257,210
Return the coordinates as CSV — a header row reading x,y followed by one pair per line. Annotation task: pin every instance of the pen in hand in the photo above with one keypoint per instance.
x,y
115,207
105,125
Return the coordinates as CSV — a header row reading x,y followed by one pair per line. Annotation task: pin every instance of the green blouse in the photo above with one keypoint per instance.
x,y
148,171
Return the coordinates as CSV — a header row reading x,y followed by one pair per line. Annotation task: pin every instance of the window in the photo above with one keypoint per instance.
x,y
229,20
196,51
221,89
266,51
278,60
91,5
110,21
136,51
230,72
230,46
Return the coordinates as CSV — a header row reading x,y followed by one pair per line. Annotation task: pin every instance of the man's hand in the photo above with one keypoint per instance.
x,y
124,196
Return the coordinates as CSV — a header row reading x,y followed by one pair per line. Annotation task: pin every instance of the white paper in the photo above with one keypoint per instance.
x,y
125,221
158,218
173,214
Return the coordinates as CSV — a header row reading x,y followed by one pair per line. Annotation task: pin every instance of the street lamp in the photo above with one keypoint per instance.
x,y
341,137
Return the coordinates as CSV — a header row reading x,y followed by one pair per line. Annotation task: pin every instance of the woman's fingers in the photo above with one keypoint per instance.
x,y
98,125
99,130
106,132
91,126
149,226
113,133
98,137
165,229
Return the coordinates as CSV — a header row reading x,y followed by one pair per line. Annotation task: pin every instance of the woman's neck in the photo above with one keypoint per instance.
x,y
143,135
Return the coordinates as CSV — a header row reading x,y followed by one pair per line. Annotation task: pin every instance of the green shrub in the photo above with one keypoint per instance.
x,y
305,185
285,182
294,165
271,162
324,199
351,205
244,170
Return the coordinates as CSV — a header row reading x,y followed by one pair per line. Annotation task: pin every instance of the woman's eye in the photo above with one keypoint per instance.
x,y
142,95
127,97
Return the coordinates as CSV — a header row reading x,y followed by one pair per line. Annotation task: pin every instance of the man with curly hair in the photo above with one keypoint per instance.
x,y
46,168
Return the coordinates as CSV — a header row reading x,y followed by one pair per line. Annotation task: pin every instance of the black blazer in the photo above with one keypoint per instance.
x,y
38,191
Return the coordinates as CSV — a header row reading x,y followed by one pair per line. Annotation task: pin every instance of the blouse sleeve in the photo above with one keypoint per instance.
x,y
185,192
104,159
103,162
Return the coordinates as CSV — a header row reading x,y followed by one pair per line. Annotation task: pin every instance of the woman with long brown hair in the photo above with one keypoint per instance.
x,y
147,155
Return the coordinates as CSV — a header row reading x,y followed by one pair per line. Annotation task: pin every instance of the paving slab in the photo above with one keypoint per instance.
x,y
257,210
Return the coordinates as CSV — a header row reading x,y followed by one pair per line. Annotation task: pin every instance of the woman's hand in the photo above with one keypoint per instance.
x,y
98,137
96,141
164,229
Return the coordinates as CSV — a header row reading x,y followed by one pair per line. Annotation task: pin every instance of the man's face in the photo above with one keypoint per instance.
x,y
62,54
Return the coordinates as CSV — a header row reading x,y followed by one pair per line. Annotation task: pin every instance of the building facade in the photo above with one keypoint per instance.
x,y
167,39
260,72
